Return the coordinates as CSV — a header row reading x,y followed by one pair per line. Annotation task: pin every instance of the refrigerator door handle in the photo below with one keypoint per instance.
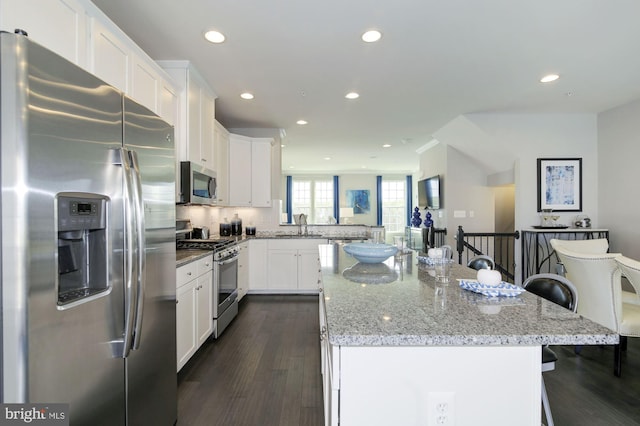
x,y
129,250
138,203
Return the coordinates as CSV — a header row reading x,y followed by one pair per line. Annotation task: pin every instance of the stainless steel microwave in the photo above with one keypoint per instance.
x,y
197,184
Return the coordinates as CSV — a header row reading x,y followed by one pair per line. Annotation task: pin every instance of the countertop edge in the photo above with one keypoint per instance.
x,y
481,340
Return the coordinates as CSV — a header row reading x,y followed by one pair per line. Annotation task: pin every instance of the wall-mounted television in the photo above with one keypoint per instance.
x,y
429,193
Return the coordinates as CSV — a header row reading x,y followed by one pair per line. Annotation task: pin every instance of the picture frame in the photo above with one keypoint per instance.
x,y
358,199
560,184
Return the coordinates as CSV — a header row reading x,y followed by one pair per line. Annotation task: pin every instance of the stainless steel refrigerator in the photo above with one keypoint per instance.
x,y
88,244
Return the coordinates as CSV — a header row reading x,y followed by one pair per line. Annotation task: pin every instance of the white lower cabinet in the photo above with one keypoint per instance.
x,y
293,265
258,265
194,310
243,269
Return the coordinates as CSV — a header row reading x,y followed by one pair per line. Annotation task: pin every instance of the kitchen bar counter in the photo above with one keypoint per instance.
x,y
398,349
412,310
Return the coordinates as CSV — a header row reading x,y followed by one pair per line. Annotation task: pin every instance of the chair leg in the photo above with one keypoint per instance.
x,y
545,404
577,349
617,360
623,342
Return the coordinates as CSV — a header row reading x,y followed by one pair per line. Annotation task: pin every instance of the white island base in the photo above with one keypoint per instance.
x,y
470,385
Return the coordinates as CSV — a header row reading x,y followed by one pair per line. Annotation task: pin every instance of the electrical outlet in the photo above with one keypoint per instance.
x,y
441,409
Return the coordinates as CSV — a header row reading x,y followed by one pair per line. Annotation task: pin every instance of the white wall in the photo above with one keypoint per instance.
x,y
619,194
533,136
514,142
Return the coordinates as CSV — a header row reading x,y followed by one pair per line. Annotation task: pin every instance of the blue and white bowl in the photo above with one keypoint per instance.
x,y
370,252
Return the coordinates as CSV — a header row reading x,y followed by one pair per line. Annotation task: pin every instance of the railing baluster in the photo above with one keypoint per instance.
x,y
501,244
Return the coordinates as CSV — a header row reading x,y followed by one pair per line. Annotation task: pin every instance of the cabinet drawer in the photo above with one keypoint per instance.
x,y
205,265
186,273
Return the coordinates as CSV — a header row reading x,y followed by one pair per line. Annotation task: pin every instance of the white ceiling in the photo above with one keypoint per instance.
x,y
437,59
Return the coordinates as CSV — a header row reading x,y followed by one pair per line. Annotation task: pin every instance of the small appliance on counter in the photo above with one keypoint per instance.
x,y
201,233
250,229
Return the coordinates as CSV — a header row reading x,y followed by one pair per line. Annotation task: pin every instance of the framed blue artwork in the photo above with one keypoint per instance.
x,y
359,200
560,184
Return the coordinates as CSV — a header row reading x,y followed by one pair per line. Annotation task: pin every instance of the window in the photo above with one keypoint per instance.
x,y
394,205
313,198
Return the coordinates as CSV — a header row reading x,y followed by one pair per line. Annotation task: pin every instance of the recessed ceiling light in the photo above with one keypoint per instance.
x,y
246,95
301,122
214,36
282,145
327,158
371,36
386,145
352,95
549,78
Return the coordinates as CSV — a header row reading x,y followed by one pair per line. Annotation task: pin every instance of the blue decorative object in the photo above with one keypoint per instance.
x,y
416,221
428,222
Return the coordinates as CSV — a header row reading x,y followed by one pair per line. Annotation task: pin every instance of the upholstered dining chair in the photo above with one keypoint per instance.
x,y
598,280
481,262
597,246
561,291
593,246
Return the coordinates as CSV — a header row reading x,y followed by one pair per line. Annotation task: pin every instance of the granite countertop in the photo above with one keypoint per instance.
x,y
187,256
399,304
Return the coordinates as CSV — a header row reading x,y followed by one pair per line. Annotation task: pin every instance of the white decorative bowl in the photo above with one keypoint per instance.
x,y
370,252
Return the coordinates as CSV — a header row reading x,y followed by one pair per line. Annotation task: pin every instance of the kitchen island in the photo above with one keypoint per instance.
x,y
399,349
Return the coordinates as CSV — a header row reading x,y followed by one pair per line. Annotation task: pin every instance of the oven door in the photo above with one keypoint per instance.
x,y
225,281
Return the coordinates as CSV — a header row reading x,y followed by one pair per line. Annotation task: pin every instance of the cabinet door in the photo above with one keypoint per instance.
x,y
221,155
194,120
110,58
169,104
204,311
243,269
146,84
258,265
261,172
308,269
206,140
185,322
283,270
58,25
239,170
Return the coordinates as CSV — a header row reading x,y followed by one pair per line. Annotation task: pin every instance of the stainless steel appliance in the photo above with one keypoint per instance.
x,y
88,246
225,278
198,185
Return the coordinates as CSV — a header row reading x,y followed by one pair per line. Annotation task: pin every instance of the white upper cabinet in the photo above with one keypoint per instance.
x,y
58,25
111,59
221,155
81,33
196,117
249,171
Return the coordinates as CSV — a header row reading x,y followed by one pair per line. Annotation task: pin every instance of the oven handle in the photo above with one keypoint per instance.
x,y
227,260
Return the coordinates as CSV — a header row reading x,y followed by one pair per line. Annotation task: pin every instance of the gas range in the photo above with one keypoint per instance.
x,y
222,248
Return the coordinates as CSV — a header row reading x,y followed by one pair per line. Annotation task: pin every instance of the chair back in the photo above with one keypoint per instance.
x,y
594,246
630,268
554,288
597,280
481,262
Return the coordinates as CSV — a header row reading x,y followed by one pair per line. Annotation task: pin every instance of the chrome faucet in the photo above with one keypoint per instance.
x,y
302,220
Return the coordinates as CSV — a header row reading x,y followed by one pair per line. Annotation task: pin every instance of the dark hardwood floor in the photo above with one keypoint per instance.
x,y
265,370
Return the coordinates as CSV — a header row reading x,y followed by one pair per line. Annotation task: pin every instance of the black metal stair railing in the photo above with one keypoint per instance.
x,y
500,246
